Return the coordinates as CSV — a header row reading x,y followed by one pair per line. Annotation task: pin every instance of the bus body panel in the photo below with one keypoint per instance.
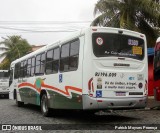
x,y
113,83
62,90
98,83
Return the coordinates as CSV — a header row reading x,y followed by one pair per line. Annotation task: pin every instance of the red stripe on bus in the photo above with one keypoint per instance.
x,y
67,88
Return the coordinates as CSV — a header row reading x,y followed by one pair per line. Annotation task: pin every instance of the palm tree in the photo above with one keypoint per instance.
x,y
14,47
138,15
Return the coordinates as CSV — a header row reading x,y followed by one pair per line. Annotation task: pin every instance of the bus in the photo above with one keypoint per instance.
x,y
4,83
156,70
94,69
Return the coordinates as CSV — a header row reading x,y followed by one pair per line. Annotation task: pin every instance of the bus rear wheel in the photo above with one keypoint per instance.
x,y
46,111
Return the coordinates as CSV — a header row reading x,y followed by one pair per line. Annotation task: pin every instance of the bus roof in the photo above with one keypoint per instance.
x,y
74,35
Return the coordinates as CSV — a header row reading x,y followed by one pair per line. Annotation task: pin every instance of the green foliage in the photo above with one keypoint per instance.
x,y
137,15
15,47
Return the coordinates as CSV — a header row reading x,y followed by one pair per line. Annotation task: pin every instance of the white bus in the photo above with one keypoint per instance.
x,y
4,83
94,69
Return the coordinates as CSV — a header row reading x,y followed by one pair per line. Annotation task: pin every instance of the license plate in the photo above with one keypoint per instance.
x,y
120,93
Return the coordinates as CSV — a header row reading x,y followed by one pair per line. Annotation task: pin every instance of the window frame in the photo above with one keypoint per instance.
x,y
52,61
70,42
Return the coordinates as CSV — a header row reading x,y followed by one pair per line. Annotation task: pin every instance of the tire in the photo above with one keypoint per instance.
x,y
46,111
18,103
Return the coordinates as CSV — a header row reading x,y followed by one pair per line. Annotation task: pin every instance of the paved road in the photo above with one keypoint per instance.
x,y
29,114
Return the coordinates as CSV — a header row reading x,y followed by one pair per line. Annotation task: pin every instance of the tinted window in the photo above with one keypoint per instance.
x,y
74,48
17,70
29,63
64,64
4,75
74,55
69,56
25,68
40,64
65,51
33,66
56,60
21,69
37,68
49,59
105,45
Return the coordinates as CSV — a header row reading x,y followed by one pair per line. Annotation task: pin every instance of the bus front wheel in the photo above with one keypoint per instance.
x,y
46,111
19,104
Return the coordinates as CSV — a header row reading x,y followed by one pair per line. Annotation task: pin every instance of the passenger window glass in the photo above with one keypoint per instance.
x,y
64,63
33,66
74,48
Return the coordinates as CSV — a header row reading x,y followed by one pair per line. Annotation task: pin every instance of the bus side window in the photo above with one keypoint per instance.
x,y
64,61
49,64
33,67
29,61
56,60
74,55
37,68
42,63
21,69
25,68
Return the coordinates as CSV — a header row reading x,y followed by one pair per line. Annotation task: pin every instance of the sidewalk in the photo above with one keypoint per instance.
x,y
152,102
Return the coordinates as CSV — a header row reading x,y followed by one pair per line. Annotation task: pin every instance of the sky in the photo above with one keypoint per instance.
x,y
38,21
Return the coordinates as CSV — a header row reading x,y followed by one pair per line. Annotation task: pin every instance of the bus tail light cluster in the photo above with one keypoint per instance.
x,y
90,87
146,88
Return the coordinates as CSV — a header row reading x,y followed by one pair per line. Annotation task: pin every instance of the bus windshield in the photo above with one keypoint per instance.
x,y
4,75
117,45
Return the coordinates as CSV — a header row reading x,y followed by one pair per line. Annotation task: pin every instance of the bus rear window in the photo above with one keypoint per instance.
x,y
117,45
4,75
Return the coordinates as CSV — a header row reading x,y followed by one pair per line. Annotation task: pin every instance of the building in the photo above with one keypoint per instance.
x,y
36,47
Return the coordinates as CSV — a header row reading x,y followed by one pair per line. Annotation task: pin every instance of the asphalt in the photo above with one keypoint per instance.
x,y
152,103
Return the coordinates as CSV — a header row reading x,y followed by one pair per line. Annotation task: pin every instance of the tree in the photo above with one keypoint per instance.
x,y
14,47
138,15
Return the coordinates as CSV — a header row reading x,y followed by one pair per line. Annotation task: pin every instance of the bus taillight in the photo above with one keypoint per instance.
x,y
90,87
146,88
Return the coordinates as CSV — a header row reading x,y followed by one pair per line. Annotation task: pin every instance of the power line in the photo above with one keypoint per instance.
x,y
31,30
41,22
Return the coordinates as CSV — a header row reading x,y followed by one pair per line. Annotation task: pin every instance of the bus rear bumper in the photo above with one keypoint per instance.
x,y
90,103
